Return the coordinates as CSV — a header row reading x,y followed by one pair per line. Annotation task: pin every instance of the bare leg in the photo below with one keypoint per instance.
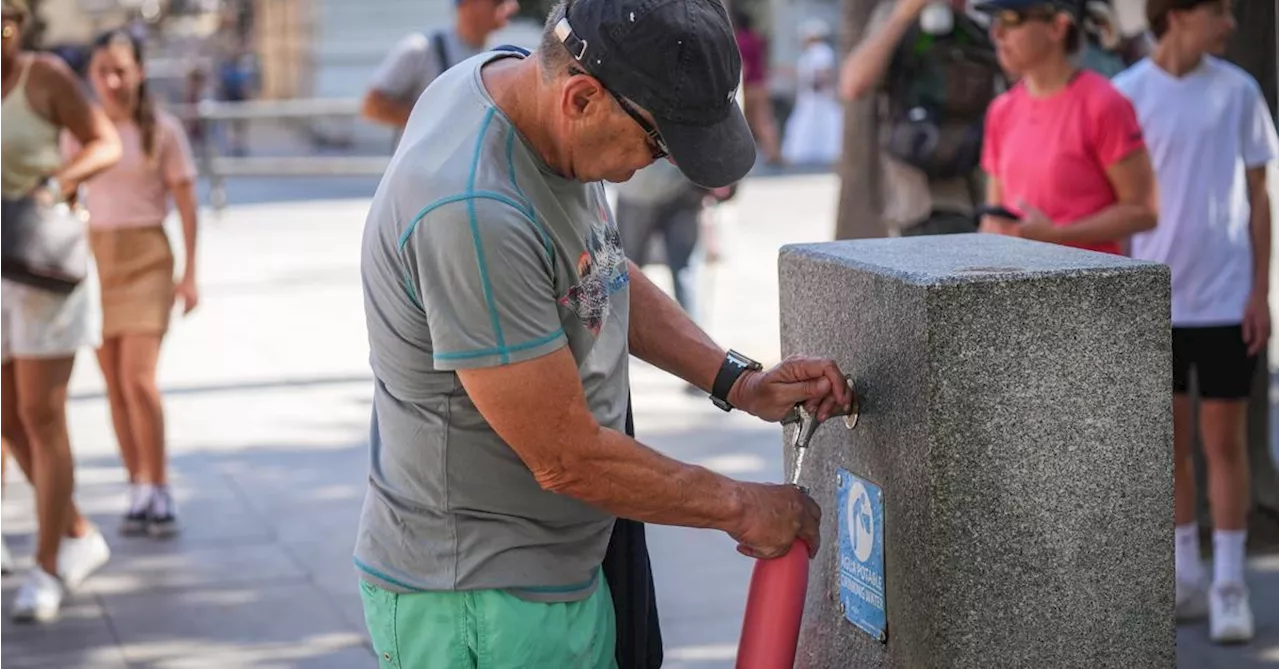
x,y
1222,423
42,406
17,442
109,360
139,354
1184,473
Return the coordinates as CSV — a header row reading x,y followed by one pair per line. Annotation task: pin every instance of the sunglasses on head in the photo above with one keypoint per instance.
x,y
1012,18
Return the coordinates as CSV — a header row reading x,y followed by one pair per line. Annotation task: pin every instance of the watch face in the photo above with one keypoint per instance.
x,y
743,361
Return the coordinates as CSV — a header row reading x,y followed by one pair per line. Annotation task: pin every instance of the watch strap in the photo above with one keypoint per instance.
x,y
734,365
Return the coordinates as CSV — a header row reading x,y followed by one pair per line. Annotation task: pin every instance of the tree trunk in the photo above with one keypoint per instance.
x,y
1254,46
858,215
1254,49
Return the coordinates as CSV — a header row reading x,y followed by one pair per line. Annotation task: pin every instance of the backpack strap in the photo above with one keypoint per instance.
x,y
511,47
442,56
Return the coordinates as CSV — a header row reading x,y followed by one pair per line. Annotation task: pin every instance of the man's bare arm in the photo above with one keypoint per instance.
x,y
656,317
538,408
866,65
663,335
382,108
1259,228
1257,317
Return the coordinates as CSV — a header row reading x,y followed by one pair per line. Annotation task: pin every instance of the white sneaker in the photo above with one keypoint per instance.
x,y
1230,617
38,599
80,556
1190,600
6,560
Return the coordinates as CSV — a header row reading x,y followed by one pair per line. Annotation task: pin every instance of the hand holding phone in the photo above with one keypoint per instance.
x,y
996,211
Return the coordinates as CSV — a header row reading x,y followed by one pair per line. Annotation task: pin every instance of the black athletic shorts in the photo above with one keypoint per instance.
x,y
1223,367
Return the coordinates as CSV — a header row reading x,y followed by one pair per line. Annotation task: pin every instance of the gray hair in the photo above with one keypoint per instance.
x,y
553,58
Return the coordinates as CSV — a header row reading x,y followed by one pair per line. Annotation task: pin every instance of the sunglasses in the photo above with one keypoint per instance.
x,y
1012,18
657,145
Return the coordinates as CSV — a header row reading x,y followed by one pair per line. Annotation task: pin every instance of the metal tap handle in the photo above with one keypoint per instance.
x,y
808,425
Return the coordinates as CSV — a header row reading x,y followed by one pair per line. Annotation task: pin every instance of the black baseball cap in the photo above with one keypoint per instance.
x,y
678,60
1072,7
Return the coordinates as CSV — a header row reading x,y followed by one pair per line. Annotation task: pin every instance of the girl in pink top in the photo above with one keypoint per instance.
x,y
127,206
1062,149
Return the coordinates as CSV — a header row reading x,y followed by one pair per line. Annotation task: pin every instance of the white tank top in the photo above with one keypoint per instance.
x,y
28,142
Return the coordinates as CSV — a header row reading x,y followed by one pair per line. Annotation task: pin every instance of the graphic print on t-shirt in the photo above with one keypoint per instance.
x,y
602,271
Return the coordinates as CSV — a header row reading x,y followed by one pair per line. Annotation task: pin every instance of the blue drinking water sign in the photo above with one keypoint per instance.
x,y
860,572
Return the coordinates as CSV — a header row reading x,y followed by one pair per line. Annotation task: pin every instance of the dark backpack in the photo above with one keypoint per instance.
x,y
937,91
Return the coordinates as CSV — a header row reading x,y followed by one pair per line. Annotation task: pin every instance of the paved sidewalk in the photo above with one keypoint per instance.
x,y
267,391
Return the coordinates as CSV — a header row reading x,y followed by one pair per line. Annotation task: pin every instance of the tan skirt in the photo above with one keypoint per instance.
x,y
135,266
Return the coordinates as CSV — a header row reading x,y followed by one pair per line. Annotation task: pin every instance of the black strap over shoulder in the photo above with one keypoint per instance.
x,y
511,47
442,54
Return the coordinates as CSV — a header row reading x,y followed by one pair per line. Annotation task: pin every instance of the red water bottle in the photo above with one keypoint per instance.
x,y
775,604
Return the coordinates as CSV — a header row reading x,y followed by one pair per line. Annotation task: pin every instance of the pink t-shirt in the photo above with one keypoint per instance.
x,y
753,49
1053,152
133,192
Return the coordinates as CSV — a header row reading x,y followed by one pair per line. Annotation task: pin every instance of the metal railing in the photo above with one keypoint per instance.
x,y
217,168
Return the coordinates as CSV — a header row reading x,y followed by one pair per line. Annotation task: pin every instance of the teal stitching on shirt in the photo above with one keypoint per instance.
x,y
560,588
404,237
485,284
379,575
482,194
479,353
408,290
533,216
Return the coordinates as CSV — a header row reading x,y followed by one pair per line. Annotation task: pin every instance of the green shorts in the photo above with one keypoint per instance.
x,y
488,629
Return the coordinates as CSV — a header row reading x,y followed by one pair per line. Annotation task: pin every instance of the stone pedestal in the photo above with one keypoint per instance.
x,y
1016,418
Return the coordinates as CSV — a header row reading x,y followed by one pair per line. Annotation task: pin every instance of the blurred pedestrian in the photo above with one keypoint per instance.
x,y
1103,44
1063,151
661,202
419,58
237,82
42,329
756,101
127,207
1212,137
934,72
813,134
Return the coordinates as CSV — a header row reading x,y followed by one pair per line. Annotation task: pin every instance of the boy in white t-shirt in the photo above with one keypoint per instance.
x,y
1211,137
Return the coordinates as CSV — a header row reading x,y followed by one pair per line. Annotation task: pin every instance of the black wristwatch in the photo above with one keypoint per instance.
x,y
733,366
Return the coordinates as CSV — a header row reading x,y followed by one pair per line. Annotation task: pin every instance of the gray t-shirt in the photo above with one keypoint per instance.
x,y
414,62
476,254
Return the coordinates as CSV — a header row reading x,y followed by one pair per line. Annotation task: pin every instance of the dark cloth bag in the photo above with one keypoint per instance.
x,y
630,578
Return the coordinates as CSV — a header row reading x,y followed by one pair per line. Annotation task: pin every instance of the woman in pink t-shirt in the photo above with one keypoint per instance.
x,y
127,206
1062,149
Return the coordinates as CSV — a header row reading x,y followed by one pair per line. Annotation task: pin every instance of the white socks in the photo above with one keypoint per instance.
x,y
1186,553
1228,556
139,496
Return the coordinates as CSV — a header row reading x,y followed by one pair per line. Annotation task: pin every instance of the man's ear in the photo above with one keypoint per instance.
x,y
581,97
